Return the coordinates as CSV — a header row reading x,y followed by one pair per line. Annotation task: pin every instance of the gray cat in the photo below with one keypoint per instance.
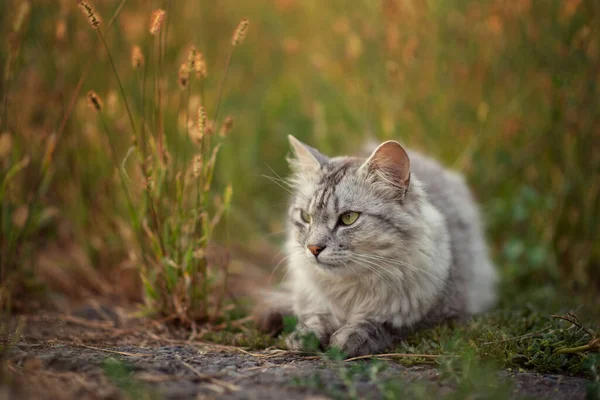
x,y
380,247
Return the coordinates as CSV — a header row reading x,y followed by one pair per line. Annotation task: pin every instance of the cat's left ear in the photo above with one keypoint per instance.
x,y
305,156
390,166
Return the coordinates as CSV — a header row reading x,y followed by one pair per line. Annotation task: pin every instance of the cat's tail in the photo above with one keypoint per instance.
x,y
271,309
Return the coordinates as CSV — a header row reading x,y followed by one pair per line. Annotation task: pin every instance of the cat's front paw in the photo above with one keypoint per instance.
x,y
360,339
306,339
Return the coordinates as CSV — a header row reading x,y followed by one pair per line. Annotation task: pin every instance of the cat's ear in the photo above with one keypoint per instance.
x,y
305,156
390,165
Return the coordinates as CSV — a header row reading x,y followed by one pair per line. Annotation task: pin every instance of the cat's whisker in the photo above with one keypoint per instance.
x,y
378,273
395,263
279,184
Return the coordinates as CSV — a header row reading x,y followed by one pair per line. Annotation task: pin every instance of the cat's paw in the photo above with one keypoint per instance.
x,y
306,339
358,340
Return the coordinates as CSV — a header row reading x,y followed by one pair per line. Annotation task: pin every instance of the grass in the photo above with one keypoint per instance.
x,y
155,177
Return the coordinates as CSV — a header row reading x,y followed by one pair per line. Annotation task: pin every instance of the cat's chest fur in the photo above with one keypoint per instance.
x,y
386,299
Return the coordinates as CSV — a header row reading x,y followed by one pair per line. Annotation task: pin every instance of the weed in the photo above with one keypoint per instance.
x,y
122,377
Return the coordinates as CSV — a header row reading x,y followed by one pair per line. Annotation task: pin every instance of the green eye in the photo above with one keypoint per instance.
x,y
349,218
305,216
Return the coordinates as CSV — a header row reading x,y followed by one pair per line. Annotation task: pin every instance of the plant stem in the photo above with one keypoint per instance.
x,y
116,161
114,68
222,88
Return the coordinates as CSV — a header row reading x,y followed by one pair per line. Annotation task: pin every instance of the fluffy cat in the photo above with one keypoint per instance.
x,y
379,247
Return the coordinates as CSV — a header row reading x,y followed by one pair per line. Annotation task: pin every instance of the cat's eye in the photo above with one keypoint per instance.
x,y
349,218
305,216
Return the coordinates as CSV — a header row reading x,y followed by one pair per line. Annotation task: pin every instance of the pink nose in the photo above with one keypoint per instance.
x,y
315,250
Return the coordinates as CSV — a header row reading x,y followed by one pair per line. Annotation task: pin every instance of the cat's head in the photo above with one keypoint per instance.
x,y
351,215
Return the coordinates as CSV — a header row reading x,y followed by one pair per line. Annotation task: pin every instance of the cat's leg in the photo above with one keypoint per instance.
x,y
363,337
321,324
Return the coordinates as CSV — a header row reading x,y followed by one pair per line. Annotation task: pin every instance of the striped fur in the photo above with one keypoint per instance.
x,y
414,257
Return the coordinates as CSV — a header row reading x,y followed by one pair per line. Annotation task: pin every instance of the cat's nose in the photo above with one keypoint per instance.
x,y
315,249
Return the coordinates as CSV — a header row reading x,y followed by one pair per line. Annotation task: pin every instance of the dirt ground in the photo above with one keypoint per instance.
x,y
71,356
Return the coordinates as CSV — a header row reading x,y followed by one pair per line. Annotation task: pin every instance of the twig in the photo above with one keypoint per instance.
x,y
400,355
573,319
84,322
123,353
525,336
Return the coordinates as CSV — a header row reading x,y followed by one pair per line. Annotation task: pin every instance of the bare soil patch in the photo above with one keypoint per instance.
x,y
72,356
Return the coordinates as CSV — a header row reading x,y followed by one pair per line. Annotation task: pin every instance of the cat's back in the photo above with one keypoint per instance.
x,y
472,273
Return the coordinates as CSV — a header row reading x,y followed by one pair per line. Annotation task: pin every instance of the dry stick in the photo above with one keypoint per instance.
x,y
574,320
525,336
573,350
400,355
123,353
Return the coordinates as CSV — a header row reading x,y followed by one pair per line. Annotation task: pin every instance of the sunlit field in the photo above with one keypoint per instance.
x,y
143,144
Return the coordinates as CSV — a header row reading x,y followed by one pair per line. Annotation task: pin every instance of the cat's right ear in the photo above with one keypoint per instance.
x,y
305,157
390,165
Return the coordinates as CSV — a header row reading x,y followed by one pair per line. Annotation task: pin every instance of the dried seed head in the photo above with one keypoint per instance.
x,y
201,122
227,126
148,166
240,32
21,16
210,127
149,184
166,157
198,254
200,66
94,100
50,147
227,195
137,57
20,216
88,10
158,17
184,75
61,30
197,165
192,57
5,145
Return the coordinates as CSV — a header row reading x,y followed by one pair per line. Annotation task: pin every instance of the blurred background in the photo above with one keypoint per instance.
x,y
97,201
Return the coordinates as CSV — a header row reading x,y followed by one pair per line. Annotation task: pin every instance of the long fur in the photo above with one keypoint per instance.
x,y
416,255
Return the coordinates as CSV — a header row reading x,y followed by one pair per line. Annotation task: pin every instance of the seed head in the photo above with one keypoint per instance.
x,y
184,75
210,127
94,100
158,17
197,165
22,14
149,184
200,66
88,10
240,32
5,145
201,122
61,30
166,157
227,195
137,57
50,148
20,216
192,57
227,126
